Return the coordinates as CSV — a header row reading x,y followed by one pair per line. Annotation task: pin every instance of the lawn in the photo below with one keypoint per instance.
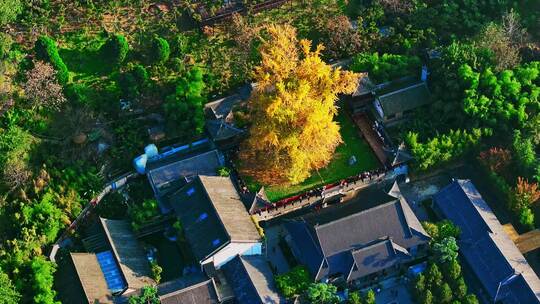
x,y
337,169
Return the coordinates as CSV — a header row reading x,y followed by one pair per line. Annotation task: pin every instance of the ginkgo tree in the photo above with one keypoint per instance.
x,y
292,110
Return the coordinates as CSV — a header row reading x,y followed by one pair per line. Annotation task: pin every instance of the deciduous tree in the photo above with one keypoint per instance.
x,y
8,293
292,110
294,282
524,194
42,88
340,38
505,53
446,249
42,281
322,293
148,295
9,9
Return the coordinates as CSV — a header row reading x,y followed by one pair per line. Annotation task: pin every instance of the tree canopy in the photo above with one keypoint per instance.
x,y
293,131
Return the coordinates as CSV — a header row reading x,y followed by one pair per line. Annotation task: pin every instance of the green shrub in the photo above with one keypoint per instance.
x,y
159,51
148,295
445,147
180,45
134,81
78,93
322,293
47,51
385,67
115,49
142,214
140,74
224,171
294,282
156,271
526,218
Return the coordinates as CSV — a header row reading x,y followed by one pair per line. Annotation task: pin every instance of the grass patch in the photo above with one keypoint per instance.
x,y
337,169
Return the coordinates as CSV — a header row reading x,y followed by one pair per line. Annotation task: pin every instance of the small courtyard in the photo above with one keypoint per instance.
x,y
338,169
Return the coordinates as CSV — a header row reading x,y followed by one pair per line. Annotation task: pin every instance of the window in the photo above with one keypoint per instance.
x,y
216,242
190,191
202,217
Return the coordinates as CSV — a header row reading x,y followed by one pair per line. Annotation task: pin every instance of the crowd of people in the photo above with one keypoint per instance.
x,y
320,192
379,130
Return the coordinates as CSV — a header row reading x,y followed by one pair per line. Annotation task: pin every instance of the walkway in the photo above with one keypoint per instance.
x,y
320,195
366,127
526,242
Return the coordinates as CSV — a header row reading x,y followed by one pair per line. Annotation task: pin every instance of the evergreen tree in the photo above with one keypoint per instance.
x,y
184,108
115,49
370,297
46,50
445,293
160,50
460,288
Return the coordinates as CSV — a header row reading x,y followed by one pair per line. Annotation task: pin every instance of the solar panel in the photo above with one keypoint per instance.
x,y
216,242
202,217
190,191
110,270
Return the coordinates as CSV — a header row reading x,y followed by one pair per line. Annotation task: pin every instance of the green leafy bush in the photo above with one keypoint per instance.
x,y
156,271
47,51
159,51
322,293
8,293
294,282
148,295
9,9
43,280
134,81
526,218
496,98
441,230
141,214
224,171
385,67
115,49
78,93
445,147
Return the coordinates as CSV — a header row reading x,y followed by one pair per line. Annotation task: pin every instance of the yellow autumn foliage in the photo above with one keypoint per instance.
x,y
293,131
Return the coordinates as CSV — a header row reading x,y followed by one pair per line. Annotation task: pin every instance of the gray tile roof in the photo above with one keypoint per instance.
x,y
175,292
212,215
379,256
404,99
205,163
494,258
330,239
91,278
128,253
360,229
252,280
221,108
229,208
220,130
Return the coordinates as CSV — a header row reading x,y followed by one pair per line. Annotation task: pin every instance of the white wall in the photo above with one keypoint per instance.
x,y
233,249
